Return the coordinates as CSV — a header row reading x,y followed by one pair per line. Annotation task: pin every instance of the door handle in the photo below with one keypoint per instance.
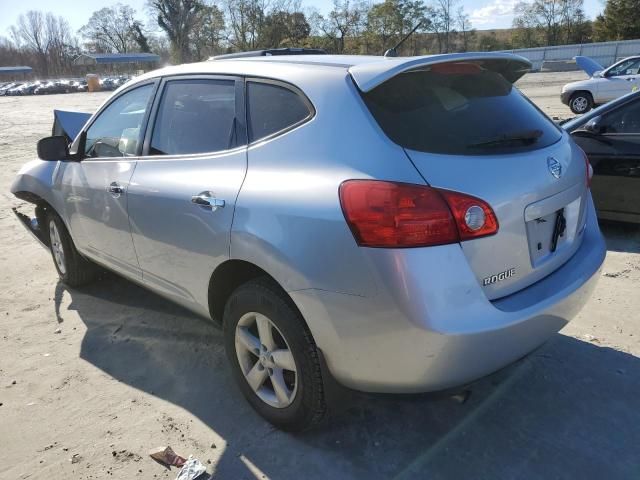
x,y
115,189
208,201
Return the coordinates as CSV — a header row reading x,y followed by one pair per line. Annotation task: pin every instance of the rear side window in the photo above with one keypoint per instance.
x,y
623,120
273,108
459,109
195,116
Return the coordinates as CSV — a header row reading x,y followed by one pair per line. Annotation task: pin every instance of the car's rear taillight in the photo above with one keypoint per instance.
x,y
589,168
391,214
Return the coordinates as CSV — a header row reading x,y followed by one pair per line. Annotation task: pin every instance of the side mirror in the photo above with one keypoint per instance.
x,y
53,148
594,126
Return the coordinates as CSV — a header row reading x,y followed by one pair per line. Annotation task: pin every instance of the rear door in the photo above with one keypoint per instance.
x,y
466,128
183,192
615,157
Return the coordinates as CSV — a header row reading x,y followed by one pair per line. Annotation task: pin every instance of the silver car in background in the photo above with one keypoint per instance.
x,y
393,224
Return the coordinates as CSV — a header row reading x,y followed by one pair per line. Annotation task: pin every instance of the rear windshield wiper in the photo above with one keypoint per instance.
x,y
526,137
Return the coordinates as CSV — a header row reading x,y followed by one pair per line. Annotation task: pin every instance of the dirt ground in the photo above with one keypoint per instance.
x,y
91,379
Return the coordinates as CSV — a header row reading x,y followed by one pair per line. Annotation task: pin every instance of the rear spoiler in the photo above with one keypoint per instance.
x,y
68,124
368,76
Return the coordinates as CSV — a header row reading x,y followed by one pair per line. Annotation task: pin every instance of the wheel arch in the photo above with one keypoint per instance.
x,y
228,276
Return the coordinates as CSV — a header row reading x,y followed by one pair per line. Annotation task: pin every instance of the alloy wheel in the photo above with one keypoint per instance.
x,y
266,360
56,246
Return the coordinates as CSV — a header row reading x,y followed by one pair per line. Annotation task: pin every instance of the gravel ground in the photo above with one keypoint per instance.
x,y
91,379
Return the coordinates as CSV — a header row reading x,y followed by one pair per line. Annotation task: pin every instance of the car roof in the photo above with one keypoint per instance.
x,y
367,71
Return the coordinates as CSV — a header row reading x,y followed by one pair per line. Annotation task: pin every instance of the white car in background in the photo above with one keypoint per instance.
x,y
603,86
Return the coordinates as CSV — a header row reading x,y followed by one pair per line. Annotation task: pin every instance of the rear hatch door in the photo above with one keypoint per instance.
x,y
466,128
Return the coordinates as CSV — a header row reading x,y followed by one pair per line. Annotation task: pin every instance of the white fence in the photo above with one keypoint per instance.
x,y
605,53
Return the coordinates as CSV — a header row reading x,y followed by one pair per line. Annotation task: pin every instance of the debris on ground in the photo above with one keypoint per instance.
x,y
191,470
166,456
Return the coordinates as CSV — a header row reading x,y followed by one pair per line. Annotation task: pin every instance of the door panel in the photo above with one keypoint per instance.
x,y
179,243
98,218
194,152
95,188
615,157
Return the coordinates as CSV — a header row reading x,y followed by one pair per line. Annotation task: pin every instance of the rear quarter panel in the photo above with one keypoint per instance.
x,y
288,218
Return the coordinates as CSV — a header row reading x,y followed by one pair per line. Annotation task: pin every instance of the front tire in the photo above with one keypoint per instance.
x,y
73,269
581,102
273,356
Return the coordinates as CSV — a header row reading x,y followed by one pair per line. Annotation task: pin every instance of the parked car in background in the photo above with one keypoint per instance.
x,y
24,89
610,136
354,218
5,88
52,87
605,84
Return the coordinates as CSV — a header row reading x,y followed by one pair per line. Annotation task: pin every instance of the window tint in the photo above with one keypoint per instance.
x,y
273,108
195,116
459,109
630,67
624,120
116,131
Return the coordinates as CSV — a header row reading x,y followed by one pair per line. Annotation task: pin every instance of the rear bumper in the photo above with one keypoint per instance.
x,y
432,327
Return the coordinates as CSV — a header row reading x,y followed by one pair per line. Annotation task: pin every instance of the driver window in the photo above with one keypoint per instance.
x,y
116,131
629,67
624,120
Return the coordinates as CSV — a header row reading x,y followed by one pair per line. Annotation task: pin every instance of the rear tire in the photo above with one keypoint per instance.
x,y
73,269
581,102
257,307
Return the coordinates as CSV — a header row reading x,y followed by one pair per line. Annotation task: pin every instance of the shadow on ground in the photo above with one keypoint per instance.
x,y
570,410
621,237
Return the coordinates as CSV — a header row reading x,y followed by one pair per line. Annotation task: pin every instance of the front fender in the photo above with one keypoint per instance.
x,y
36,180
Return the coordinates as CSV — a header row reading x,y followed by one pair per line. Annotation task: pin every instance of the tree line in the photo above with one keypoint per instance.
x,y
192,30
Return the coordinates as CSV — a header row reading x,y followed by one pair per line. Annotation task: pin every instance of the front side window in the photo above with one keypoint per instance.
x,y
459,109
623,120
273,108
116,131
195,116
629,67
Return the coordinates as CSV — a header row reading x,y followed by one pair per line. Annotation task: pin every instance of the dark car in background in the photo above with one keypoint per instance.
x,y
610,136
8,86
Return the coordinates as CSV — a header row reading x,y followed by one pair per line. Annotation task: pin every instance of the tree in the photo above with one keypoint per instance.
x,y
111,29
284,29
620,20
31,32
466,32
388,22
209,32
177,18
443,23
555,22
343,21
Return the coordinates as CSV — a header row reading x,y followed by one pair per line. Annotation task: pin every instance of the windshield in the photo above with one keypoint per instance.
x,y
458,109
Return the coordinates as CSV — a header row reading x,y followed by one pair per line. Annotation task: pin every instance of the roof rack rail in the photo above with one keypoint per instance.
x,y
271,52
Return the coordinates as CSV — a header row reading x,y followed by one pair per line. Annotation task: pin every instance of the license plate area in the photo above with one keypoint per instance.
x,y
551,234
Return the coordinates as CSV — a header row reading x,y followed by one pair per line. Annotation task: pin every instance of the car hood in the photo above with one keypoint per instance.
x,y
69,123
589,65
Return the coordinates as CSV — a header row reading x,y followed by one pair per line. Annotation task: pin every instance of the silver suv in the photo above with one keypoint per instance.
x,y
393,224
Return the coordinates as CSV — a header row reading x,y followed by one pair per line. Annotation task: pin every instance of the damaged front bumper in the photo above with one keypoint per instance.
x,y
33,227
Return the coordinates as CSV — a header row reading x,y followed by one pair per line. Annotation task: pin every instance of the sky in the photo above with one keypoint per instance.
x,y
485,14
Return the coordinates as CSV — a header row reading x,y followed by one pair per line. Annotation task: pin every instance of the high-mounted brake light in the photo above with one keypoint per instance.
x,y
391,214
589,168
456,68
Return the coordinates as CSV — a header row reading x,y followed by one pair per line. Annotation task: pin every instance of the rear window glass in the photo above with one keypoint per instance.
x,y
273,108
459,109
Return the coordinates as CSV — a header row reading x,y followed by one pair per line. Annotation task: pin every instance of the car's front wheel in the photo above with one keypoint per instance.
x,y
273,356
73,269
581,102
